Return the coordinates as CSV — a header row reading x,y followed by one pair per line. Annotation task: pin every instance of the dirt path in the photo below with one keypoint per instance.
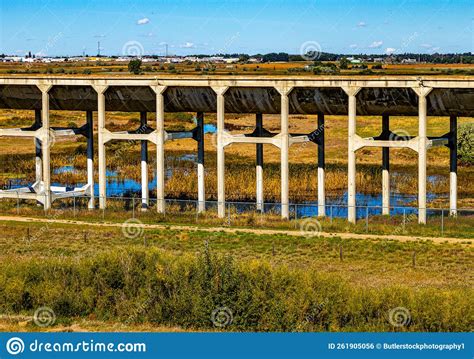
x,y
295,233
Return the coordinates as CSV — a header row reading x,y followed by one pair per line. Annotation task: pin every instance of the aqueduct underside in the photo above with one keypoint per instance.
x,y
385,97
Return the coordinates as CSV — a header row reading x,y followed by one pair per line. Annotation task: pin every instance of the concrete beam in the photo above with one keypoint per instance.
x,y
101,144
351,162
144,165
453,166
284,150
126,136
359,142
422,149
38,155
228,139
179,135
200,163
90,157
160,148
220,91
259,163
321,167
385,170
46,142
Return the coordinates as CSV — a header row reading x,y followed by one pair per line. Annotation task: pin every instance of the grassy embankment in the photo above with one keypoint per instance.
x,y
168,279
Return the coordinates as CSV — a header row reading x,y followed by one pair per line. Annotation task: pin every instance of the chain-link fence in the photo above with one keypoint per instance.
x,y
402,220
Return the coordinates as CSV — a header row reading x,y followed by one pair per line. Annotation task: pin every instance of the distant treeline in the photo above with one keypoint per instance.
x,y
465,58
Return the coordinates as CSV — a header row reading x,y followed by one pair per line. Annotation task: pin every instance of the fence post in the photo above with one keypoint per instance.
x,y
442,221
366,219
404,218
133,207
103,211
330,211
74,204
17,203
197,210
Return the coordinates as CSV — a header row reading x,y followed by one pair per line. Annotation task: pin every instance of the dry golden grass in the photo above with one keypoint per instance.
x,y
18,160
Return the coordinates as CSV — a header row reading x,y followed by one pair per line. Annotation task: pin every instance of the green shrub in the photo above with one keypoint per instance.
x,y
147,285
134,66
466,144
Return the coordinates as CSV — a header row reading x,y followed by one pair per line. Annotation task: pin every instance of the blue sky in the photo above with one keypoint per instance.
x,y
71,27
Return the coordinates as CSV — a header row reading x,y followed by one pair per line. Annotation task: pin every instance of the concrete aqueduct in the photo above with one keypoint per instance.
x,y
385,97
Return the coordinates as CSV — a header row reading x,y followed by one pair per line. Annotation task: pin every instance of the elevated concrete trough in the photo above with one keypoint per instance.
x,y
385,97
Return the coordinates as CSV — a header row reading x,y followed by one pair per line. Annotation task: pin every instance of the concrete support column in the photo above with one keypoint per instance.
x,y
160,148
259,163
385,170
101,144
321,168
220,91
200,164
46,142
422,141
284,148
38,155
144,163
453,165
351,161
90,158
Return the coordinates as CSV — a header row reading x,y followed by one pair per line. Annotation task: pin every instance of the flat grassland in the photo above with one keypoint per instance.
x,y
97,278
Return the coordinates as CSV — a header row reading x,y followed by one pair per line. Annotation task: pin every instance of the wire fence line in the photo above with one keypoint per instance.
x,y
239,213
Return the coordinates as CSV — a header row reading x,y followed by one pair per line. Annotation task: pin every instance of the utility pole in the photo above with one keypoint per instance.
x,y
98,48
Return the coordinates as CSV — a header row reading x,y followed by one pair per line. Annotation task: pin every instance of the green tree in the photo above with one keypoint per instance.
x,y
134,66
343,63
466,144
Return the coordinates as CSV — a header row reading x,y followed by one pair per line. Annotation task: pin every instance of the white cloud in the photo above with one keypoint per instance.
x,y
434,49
187,45
353,46
426,46
100,36
390,50
362,24
143,21
376,45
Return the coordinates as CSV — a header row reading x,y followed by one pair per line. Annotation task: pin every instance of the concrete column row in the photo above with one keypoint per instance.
x,y
43,143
